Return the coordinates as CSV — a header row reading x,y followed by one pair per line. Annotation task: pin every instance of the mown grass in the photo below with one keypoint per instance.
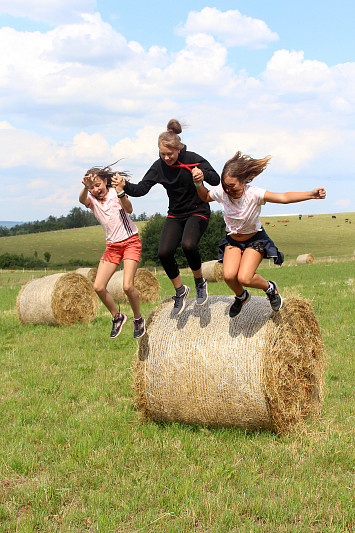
x,y
75,457
320,235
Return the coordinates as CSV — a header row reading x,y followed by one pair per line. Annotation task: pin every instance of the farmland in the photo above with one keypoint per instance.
x,y
76,457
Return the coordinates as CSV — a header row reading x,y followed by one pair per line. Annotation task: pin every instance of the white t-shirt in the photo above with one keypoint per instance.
x,y
241,215
113,218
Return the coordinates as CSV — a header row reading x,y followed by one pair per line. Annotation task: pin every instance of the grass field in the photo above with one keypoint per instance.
x,y
75,457
320,235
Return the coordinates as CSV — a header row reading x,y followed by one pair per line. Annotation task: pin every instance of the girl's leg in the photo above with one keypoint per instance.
x,y
194,228
247,275
104,273
169,240
231,264
129,271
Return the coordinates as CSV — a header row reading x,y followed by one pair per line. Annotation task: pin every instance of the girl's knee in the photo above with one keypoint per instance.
x,y
99,289
128,288
245,279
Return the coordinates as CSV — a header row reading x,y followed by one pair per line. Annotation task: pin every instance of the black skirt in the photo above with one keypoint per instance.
x,y
260,242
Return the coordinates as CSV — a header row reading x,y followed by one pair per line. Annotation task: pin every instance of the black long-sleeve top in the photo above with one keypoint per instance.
x,y
178,183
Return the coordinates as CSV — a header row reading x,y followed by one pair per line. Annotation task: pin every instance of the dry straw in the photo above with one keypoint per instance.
x,y
305,259
59,299
89,273
212,271
260,370
145,282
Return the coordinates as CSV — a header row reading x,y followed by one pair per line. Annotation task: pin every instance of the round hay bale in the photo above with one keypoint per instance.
x,y
89,273
260,370
305,259
59,299
212,270
145,282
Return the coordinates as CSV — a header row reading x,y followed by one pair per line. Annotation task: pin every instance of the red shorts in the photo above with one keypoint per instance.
x,y
128,249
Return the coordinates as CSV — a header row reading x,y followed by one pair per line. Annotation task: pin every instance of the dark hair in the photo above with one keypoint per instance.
x,y
170,138
243,167
107,173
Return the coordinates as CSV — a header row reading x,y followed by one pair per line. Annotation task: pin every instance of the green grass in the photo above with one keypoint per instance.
x,y
320,236
75,457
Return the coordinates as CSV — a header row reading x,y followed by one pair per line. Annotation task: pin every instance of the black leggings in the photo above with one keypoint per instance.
x,y
188,231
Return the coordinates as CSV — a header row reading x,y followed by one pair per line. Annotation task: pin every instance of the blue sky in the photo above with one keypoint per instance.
x,y
87,82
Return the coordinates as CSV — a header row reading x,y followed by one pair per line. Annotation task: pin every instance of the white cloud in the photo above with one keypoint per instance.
x,y
51,11
231,27
344,202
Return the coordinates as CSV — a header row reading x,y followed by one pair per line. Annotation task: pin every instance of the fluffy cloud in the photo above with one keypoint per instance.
x,y
231,27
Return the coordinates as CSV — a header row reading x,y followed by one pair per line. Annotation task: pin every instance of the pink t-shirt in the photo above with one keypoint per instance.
x,y
241,215
113,218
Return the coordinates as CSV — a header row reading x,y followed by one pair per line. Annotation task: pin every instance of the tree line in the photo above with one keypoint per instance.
x,y
149,235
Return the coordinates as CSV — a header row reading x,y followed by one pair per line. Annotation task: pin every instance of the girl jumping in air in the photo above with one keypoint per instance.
x,y
111,206
188,216
246,242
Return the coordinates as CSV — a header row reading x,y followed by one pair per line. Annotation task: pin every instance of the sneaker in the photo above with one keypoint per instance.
x,y
201,293
117,324
274,297
236,307
180,301
139,328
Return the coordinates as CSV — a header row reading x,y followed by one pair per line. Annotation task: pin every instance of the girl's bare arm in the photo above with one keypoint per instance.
x,y
294,197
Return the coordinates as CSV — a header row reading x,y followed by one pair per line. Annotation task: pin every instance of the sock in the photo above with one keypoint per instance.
x,y
137,319
271,286
242,296
199,281
180,290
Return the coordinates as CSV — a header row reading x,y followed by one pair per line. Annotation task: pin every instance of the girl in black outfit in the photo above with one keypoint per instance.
x,y
187,217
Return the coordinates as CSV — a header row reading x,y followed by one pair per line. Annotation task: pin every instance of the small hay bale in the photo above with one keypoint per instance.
x,y
145,282
60,299
261,370
89,273
212,270
305,259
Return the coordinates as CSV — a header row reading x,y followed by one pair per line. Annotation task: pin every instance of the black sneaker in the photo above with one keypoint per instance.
x,y
180,301
139,328
274,297
201,293
236,307
117,324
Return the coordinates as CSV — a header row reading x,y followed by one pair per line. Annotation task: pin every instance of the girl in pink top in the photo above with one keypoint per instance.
x,y
246,242
111,208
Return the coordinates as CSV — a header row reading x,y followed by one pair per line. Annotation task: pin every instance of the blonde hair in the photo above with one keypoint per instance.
x,y
170,138
243,167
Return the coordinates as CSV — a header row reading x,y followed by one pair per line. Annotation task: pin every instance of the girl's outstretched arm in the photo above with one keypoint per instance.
x,y
294,197
83,196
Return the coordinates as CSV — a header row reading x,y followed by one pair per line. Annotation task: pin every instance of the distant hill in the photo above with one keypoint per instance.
x,y
9,223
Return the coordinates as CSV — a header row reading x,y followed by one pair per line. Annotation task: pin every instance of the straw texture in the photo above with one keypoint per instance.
x,y
59,299
212,270
89,273
255,371
145,282
305,259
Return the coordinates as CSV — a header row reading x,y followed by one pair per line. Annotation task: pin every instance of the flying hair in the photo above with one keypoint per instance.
x,y
243,167
107,172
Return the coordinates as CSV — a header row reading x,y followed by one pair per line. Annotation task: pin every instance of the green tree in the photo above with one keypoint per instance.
x,y
47,256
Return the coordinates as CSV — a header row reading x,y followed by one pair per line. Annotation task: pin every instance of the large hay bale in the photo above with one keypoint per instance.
x,y
305,259
260,370
212,270
145,282
59,299
89,273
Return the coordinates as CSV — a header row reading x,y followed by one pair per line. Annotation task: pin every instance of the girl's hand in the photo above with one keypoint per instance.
x,y
88,181
118,182
197,175
318,194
